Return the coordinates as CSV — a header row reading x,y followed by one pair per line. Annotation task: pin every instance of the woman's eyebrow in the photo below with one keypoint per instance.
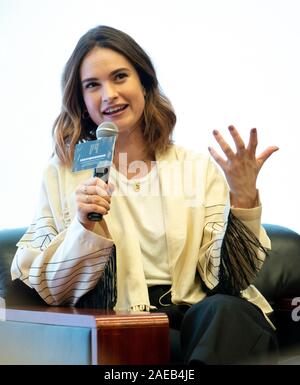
x,y
118,70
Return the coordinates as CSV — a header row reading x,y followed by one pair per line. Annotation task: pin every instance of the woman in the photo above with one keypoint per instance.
x,y
185,243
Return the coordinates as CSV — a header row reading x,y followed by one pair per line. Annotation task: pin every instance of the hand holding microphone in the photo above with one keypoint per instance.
x,y
105,130
93,196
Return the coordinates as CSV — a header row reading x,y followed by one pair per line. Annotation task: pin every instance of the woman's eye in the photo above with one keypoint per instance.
x,y
91,85
121,76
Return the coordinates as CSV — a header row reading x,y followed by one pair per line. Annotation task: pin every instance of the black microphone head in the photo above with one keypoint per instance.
x,y
106,129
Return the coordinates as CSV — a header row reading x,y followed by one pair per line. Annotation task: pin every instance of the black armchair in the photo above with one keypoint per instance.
x,y
15,293
278,281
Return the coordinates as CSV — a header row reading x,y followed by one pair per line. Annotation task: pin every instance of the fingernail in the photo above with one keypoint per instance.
x,y
230,128
215,132
253,130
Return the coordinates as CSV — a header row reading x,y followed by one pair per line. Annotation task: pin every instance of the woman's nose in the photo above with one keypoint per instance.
x,y
109,92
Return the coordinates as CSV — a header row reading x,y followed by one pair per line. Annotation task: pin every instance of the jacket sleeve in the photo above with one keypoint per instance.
x,y
61,263
234,243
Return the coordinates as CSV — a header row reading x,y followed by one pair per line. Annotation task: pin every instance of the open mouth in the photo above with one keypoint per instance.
x,y
114,110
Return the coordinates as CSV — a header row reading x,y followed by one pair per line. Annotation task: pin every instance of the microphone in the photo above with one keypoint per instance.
x,y
104,130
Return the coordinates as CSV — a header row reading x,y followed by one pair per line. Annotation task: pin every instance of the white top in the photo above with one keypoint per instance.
x,y
62,260
142,196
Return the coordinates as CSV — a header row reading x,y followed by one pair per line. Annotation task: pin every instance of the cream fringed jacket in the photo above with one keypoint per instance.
x,y
62,260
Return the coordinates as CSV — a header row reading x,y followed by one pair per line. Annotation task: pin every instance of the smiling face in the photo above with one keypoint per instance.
x,y
112,90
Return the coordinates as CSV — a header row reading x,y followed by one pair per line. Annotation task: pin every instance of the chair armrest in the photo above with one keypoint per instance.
x,y
8,241
280,275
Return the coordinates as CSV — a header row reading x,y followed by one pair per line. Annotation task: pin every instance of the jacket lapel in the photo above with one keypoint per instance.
x,y
173,203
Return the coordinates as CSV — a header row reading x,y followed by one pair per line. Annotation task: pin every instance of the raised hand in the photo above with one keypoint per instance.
x,y
241,168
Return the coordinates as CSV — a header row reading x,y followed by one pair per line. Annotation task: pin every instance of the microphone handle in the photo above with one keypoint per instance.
x,y
103,174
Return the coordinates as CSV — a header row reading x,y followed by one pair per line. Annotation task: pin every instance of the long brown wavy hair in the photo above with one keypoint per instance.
x,y
72,125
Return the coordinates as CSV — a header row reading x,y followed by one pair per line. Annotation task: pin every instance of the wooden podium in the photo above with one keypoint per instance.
x,y
68,336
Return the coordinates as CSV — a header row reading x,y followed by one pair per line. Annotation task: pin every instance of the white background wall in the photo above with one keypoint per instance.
x,y
220,62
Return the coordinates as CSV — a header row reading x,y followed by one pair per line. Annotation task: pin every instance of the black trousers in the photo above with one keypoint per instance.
x,y
221,329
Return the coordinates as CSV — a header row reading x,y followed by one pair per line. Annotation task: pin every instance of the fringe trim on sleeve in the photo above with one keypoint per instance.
x,y
104,294
239,262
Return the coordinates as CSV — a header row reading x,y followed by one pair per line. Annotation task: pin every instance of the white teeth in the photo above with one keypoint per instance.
x,y
113,109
